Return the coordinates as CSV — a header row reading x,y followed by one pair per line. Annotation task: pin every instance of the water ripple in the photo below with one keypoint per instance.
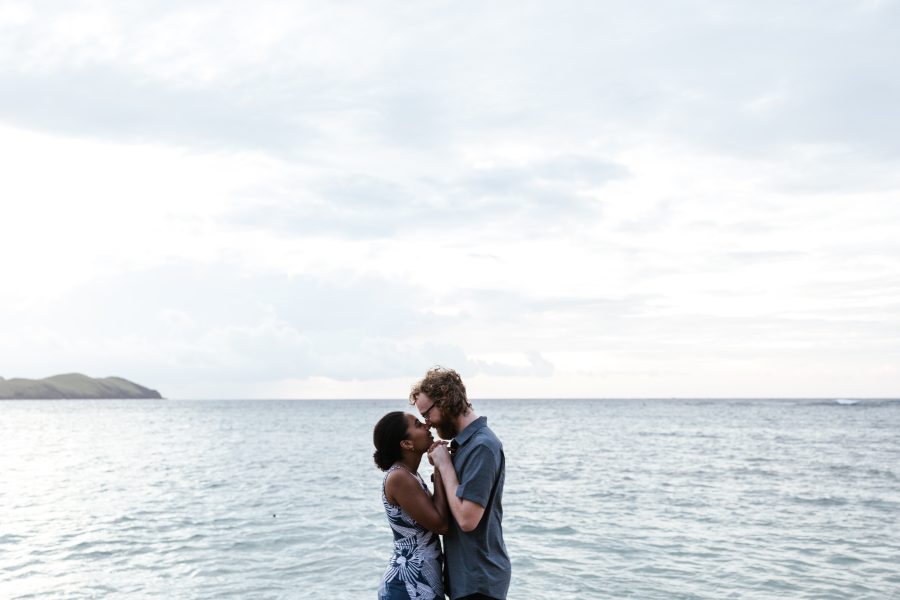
x,y
604,499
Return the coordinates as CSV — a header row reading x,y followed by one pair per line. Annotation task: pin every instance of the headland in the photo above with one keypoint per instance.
x,y
73,386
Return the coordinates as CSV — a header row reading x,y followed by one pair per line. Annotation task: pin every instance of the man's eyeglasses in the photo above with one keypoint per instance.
x,y
425,412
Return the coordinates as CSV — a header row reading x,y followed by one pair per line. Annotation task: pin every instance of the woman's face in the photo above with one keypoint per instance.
x,y
418,433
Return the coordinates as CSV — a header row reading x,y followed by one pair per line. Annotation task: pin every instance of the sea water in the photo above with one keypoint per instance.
x,y
604,498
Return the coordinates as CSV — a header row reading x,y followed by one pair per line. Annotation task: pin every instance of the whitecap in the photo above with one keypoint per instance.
x,y
845,401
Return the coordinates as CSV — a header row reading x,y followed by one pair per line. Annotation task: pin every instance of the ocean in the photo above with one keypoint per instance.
x,y
604,498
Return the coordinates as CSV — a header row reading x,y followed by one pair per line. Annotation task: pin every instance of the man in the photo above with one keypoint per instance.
x,y
478,566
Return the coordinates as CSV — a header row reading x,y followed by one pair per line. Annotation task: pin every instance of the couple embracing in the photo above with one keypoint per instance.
x,y
466,506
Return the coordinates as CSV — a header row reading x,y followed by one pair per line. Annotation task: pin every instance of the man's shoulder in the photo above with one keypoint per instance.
x,y
486,437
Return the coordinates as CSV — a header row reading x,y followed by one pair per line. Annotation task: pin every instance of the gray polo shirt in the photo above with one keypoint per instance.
x,y
477,561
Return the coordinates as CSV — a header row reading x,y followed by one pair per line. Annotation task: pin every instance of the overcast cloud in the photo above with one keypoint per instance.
x,y
320,199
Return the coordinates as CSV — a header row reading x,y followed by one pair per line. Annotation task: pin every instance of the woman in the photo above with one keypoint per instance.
x,y
415,517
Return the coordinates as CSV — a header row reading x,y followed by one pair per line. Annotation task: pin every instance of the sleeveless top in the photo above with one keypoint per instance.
x,y
417,559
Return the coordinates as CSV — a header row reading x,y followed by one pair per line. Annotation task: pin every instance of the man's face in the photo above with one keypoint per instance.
x,y
431,412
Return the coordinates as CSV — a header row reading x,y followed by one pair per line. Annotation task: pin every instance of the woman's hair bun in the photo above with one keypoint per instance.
x,y
389,432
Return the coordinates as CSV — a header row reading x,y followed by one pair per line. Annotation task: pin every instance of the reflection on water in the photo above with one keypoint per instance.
x,y
604,499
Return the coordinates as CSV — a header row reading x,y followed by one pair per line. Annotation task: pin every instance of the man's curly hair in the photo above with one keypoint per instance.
x,y
445,387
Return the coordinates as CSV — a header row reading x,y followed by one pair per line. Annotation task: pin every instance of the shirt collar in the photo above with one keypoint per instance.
x,y
466,434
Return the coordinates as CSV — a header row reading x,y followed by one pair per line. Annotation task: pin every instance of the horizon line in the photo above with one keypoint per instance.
x,y
557,398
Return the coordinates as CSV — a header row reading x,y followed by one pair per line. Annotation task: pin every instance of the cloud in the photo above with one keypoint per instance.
x,y
268,193
295,80
557,191
535,366
111,103
182,323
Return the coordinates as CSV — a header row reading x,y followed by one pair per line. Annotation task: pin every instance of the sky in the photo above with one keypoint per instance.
x,y
274,199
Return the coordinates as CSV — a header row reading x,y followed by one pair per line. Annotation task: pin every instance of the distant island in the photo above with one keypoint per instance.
x,y
73,386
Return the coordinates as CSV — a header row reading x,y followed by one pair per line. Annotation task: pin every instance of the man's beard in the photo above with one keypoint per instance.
x,y
447,431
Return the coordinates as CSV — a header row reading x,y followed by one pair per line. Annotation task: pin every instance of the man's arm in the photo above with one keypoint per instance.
x,y
466,512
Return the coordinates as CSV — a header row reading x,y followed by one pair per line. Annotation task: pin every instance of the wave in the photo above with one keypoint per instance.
x,y
846,401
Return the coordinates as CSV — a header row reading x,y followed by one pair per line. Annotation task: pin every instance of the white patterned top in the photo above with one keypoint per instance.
x,y
417,559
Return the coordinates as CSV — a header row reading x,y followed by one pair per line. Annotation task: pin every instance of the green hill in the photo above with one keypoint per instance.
x,y
73,386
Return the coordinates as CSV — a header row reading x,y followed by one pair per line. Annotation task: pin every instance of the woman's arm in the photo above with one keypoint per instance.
x,y
440,500
406,491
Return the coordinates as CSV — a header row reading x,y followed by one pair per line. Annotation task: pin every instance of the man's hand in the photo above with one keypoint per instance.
x,y
438,454
434,445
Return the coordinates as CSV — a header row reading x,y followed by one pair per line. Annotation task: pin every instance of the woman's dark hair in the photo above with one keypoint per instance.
x,y
388,433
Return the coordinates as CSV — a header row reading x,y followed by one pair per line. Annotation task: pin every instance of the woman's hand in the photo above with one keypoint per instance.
x,y
438,454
